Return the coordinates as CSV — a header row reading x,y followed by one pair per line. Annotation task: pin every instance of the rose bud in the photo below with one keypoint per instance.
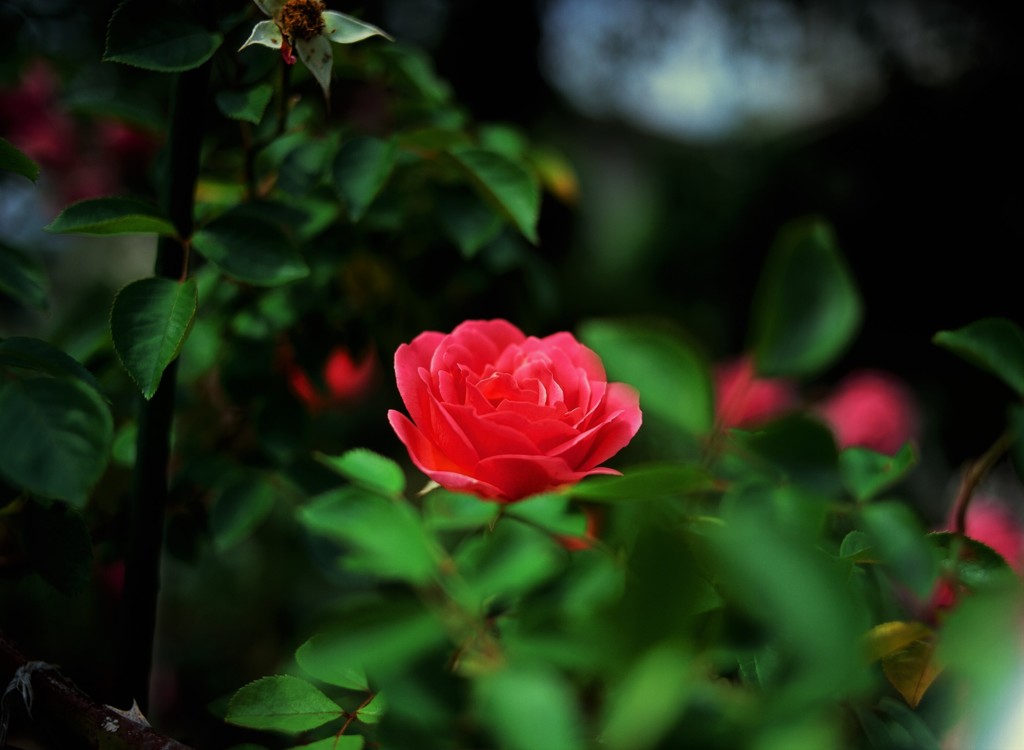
x,y
744,400
505,416
872,410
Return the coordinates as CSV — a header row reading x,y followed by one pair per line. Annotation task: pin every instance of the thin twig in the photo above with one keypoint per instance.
x,y
974,475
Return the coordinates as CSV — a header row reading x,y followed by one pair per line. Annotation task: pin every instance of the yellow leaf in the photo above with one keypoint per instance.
x,y
912,670
889,637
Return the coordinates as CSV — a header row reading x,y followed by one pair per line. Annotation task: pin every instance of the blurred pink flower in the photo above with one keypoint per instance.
x,y
84,162
871,409
991,522
32,121
744,400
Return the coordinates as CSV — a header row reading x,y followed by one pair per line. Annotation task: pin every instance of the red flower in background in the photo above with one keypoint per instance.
x,y
744,400
506,416
872,410
346,380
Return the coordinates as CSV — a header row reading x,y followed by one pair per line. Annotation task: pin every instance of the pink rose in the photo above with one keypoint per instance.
x,y
506,416
871,409
743,400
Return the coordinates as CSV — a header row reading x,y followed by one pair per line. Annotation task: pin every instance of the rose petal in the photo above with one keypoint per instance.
x,y
409,359
427,456
489,438
521,476
457,482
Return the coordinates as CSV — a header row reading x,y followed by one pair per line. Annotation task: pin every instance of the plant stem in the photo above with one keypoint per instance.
x,y
149,485
972,478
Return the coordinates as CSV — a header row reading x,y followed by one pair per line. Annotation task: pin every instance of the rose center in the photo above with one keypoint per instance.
x,y
302,19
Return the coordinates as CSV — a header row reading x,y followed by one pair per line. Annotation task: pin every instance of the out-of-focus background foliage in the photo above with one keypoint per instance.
x,y
696,129
678,138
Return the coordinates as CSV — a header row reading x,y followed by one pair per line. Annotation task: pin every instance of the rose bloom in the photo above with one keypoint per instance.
x,y
744,400
872,410
505,416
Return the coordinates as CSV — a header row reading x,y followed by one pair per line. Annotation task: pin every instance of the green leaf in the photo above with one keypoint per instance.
x,y
248,105
806,309
856,547
282,703
866,472
59,546
55,436
513,559
673,380
901,545
149,323
378,640
978,566
980,645
798,449
164,37
239,508
444,510
306,167
920,733
1015,425
361,167
12,159
39,356
348,674
345,742
372,712
22,278
645,483
503,700
551,513
467,220
367,469
650,698
507,184
250,248
808,610
993,344
385,536
107,216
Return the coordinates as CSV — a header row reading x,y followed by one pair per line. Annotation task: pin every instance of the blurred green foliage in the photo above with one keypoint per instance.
x,y
757,587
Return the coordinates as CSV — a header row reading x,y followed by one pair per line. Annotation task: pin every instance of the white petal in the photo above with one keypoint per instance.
x,y
316,54
344,29
265,33
270,7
